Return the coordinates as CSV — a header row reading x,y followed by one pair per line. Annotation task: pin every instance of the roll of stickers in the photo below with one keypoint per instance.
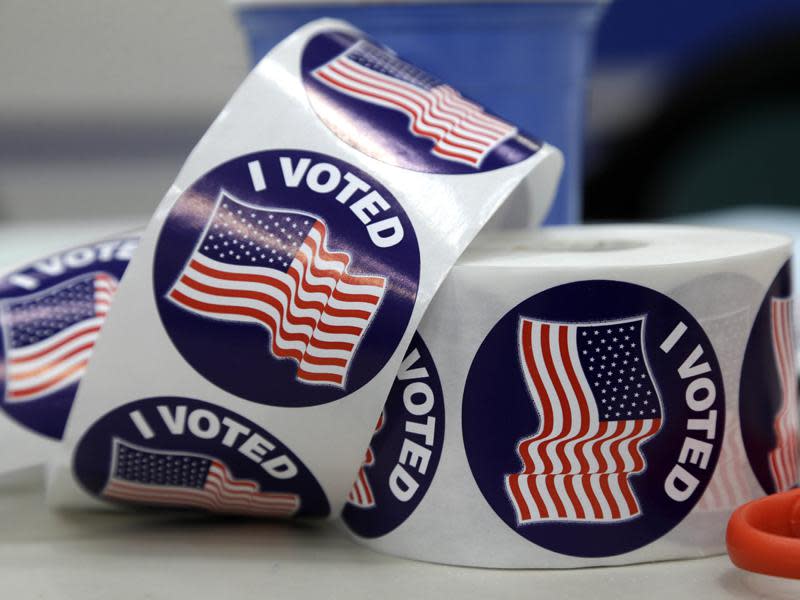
x,y
751,342
259,326
588,396
51,314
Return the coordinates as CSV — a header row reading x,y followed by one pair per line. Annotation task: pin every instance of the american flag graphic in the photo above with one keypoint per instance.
x,y
272,268
49,336
186,480
461,130
361,494
783,459
733,482
730,485
597,405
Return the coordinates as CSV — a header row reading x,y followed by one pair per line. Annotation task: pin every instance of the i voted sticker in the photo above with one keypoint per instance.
x,y
403,455
184,453
592,429
768,390
51,313
286,277
397,113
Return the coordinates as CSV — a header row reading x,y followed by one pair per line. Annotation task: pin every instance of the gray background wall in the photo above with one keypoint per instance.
x,y
100,101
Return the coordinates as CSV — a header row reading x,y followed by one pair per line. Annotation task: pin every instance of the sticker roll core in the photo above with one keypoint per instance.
x,y
603,395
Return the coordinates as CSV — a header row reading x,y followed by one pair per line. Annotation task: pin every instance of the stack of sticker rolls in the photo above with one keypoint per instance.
x,y
609,395
579,396
572,397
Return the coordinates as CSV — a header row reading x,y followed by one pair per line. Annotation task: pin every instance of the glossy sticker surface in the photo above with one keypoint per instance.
x,y
286,277
768,390
592,428
185,453
397,113
403,455
51,313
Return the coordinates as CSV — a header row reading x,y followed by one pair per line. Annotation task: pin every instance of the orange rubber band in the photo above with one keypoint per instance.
x,y
764,535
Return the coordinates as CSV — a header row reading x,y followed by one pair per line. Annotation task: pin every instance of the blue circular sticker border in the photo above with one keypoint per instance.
x,y
404,453
352,219
504,425
768,390
51,311
190,454
397,113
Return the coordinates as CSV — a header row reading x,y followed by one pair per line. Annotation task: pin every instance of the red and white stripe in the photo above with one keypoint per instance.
x,y
317,312
783,459
576,466
361,494
461,130
105,286
54,363
222,493
730,486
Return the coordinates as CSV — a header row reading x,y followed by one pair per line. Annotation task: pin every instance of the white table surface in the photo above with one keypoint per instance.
x,y
154,555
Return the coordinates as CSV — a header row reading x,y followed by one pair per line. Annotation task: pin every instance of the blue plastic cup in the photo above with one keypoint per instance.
x,y
525,61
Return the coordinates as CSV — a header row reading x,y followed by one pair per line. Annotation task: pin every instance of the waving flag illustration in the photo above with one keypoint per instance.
x,y
461,130
732,481
49,335
361,495
273,268
783,459
730,485
597,405
185,480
